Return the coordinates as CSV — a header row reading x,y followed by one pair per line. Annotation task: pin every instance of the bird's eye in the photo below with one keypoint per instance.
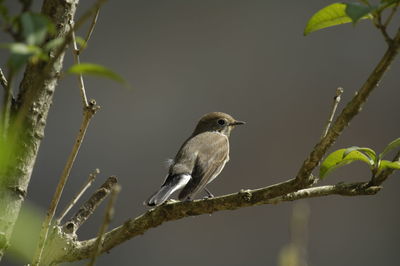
x,y
222,122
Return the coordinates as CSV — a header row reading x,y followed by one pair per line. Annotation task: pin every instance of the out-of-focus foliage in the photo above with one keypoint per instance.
x,y
35,28
31,30
25,234
294,253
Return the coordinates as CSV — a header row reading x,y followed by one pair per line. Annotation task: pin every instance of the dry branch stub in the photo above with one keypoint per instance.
x,y
87,209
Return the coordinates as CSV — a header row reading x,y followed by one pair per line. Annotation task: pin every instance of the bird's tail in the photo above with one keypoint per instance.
x,y
172,184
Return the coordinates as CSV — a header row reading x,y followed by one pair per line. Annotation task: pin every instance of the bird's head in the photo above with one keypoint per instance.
x,y
216,121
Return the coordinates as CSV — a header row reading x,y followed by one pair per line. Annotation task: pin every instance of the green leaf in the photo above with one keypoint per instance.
x,y
391,146
336,160
357,11
388,164
328,16
35,28
332,15
367,151
96,70
25,237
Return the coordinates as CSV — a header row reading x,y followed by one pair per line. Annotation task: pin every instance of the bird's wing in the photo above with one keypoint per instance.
x,y
211,157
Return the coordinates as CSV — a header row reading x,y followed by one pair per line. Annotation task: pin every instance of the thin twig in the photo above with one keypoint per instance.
x,y
76,52
91,29
88,183
88,114
378,24
106,222
87,209
77,60
389,18
336,101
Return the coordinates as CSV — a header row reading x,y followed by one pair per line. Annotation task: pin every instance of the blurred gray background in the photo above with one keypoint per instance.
x,y
249,59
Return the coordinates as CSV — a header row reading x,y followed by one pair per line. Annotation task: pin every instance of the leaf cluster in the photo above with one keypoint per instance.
x,y
349,155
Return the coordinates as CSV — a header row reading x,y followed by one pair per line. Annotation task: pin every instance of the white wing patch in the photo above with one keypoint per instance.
x,y
183,180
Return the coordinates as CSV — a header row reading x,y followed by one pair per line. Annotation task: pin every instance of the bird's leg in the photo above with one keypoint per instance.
x,y
209,194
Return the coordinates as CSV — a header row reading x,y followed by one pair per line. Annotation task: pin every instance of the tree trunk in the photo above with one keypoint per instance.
x,y
29,117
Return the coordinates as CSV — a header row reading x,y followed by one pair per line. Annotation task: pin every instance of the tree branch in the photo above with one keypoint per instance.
x,y
178,210
77,60
75,199
336,101
91,28
348,113
389,18
87,209
380,26
76,52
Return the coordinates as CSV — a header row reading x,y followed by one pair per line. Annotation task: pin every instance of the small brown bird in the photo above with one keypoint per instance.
x,y
200,159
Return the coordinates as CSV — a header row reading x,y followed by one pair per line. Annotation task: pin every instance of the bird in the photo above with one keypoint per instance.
x,y
199,160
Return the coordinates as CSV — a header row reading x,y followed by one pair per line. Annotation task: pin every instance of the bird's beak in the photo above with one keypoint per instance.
x,y
237,123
